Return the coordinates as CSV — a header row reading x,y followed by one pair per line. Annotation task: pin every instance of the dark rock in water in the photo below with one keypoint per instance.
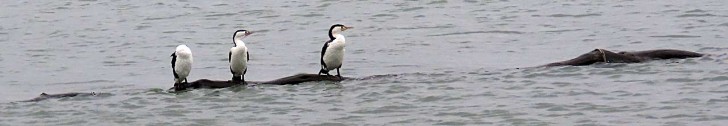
x,y
300,78
606,56
295,79
44,96
664,54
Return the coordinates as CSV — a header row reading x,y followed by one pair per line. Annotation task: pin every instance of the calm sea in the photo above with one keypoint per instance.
x,y
439,62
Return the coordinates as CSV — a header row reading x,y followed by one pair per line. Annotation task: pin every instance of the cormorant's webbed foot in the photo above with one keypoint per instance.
x,y
236,79
324,72
179,86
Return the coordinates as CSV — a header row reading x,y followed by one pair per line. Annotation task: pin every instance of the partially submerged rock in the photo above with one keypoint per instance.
x,y
595,56
44,96
295,79
606,56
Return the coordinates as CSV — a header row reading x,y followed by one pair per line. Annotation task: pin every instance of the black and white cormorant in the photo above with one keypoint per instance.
x,y
181,63
332,54
239,56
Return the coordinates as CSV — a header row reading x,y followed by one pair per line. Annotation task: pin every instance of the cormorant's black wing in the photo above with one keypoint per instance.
x,y
230,57
174,59
323,51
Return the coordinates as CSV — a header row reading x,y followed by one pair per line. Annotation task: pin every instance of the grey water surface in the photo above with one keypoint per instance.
x,y
440,62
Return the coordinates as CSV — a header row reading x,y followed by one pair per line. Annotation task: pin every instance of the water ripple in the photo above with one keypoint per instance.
x,y
675,36
695,15
575,15
478,32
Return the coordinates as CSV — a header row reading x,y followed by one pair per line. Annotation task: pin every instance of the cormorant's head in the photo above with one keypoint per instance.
x,y
337,29
240,34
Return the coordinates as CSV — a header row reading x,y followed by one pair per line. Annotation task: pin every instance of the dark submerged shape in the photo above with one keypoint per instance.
x,y
44,96
602,55
300,78
295,79
595,56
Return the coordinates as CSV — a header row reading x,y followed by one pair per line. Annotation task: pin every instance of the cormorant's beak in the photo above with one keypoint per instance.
x,y
248,33
346,27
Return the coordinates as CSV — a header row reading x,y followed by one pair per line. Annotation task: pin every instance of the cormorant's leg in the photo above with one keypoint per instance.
x,y
338,73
